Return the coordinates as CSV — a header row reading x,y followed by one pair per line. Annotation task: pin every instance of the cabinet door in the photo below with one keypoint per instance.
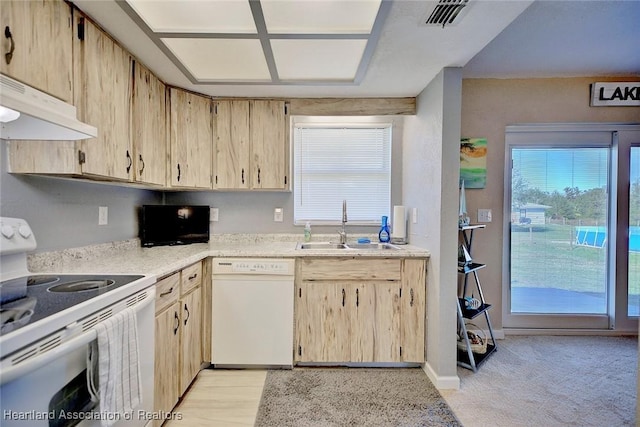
x,y
191,140
149,132
232,145
191,338
42,36
269,154
166,358
413,303
322,322
103,98
375,322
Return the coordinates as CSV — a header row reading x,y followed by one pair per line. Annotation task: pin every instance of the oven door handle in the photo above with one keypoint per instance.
x,y
30,365
37,362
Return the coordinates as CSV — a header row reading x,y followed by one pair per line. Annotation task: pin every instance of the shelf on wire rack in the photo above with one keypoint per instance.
x,y
463,357
470,267
470,313
471,227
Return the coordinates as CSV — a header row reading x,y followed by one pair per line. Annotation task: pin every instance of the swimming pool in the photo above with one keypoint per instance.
x,y
596,237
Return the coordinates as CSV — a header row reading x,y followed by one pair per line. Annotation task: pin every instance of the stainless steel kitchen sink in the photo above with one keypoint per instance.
x,y
347,246
372,246
321,245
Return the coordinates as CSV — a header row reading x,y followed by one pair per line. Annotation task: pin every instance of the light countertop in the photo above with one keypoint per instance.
x,y
129,257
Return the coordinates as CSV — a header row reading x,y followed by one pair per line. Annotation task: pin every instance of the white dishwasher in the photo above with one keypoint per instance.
x,y
252,312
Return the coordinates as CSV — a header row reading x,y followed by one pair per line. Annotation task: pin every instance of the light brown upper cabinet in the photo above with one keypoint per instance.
x,y
191,140
102,72
269,145
102,88
232,155
38,38
148,118
252,148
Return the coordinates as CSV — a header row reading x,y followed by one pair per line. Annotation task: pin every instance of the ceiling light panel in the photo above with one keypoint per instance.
x,y
221,59
189,16
322,60
319,16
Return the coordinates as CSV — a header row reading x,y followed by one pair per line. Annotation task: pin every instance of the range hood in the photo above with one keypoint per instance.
x,y
41,116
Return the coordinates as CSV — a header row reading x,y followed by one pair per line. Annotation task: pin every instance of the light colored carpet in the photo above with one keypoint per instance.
x,y
551,381
368,397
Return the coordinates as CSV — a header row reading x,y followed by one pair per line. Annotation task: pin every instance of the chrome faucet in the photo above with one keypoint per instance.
x,y
343,232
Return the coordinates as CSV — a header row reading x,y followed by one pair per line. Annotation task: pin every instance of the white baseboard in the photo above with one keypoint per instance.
x,y
441,382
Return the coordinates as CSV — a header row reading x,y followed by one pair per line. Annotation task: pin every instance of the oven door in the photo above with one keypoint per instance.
x,y
51,389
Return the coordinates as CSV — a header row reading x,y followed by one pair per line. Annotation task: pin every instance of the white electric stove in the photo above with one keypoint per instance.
x,y
46,324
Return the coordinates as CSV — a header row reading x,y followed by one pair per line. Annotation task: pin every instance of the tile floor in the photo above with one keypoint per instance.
x,y
218,398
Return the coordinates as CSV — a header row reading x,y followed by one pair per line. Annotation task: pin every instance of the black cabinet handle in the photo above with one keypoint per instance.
x,y
357,297
163,294
258,175
243,175
188,314
193,276
175,330
130,161
141,162
411,302
343,295
9,55
178,172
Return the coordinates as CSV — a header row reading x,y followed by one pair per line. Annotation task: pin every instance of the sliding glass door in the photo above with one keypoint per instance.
x,y
558,231
572,227
633,247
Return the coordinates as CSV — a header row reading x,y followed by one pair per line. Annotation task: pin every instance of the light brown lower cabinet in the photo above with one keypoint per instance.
x,y
166,359
190,338
355,310
178,340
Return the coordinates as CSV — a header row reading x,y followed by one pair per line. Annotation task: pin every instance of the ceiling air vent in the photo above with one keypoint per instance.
x,y
446,11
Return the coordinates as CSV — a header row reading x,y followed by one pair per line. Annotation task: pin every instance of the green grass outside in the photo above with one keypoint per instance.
x,y
548,257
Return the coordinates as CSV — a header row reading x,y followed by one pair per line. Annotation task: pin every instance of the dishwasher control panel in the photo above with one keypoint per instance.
x,y
264,266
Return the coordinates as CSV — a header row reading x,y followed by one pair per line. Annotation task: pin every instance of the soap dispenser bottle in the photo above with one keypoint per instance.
x,y
384,236
307,232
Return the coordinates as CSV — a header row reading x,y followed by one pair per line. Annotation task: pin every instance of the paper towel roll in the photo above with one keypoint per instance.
x,y
399,228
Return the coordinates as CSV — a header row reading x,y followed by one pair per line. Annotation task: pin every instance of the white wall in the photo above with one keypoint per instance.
x,y
488,106
63,213
431,140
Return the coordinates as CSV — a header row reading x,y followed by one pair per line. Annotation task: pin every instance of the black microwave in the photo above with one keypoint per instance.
x,y
173,225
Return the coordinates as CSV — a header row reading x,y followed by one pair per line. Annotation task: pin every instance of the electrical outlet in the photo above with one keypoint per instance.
x,y
103,215
213,215
278,214
484,215
414,215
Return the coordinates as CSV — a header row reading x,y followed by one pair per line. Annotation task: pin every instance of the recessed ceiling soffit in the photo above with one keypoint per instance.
x,y
262,42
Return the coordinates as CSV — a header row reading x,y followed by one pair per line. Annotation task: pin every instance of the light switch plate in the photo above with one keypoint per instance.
x,y
414,215
484,215
277,214
213,215
103,215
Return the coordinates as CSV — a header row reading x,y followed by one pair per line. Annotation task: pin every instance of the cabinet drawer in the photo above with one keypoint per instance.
x,y
167,291
345,268
191,277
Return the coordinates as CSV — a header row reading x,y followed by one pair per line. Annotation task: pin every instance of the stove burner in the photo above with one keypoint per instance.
x,y
82,285
54,293
16,314
42,280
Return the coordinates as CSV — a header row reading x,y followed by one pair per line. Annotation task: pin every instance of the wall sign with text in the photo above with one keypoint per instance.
x,y
615,94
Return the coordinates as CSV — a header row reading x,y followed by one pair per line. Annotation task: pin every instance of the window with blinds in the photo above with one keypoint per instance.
x,y
333,163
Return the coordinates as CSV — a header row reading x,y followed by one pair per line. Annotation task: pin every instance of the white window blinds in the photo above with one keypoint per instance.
x,y
336,163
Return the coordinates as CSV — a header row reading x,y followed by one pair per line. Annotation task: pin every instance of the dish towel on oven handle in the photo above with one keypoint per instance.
x,y
113,367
